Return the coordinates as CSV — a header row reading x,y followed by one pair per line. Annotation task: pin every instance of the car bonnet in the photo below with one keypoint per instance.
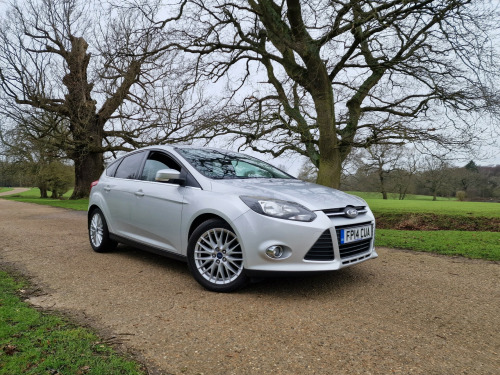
x,y
312,196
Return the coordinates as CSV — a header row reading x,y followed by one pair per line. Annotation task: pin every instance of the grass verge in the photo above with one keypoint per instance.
x,y
427,221
33,196
474,245
32,342
4,189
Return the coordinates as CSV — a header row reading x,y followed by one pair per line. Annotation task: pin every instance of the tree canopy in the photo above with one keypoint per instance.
x,y
319,78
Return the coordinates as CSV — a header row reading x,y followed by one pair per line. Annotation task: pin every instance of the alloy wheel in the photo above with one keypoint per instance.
x,y
96,230
218,256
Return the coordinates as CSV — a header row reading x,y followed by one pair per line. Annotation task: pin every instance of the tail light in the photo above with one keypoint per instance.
x,y
93,184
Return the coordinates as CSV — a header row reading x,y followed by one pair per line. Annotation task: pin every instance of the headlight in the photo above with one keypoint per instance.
x,y
278,208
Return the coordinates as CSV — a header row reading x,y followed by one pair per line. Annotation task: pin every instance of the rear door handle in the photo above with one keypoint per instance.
x,y
107,188
139,193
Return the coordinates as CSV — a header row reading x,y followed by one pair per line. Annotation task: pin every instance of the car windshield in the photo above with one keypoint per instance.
x,y
229,165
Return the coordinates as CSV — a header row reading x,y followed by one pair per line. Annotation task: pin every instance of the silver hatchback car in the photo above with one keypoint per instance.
x,y
230,215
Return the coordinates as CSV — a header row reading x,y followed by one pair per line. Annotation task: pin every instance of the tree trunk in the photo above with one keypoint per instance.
x,y
85,126
330,168
88,168
382,185
89,163
330,157
43,192
402,194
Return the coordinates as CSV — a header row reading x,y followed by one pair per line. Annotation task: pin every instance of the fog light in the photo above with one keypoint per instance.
x,y
274,252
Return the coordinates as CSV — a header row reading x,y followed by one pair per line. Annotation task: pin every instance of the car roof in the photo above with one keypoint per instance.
x,y
172,147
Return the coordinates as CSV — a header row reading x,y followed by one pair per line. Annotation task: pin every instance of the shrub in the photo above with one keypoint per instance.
x,y
461,195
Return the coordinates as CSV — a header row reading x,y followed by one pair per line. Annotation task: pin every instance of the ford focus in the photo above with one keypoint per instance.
x,y
229,215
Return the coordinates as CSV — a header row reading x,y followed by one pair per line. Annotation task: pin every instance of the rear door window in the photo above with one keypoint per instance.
x,y
130,165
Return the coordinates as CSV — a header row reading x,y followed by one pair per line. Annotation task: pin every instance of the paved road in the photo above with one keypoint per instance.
x,y
404,313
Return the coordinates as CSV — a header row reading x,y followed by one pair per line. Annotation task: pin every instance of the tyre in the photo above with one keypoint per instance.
x,y
98,232
215,257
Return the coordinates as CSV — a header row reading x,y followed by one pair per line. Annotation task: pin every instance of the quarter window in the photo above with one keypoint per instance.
x,y
110,171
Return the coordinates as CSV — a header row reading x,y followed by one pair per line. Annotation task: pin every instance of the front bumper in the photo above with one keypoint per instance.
x,y
258,232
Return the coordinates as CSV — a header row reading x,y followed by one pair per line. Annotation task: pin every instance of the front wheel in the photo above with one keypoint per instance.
x,y
215,257
98,233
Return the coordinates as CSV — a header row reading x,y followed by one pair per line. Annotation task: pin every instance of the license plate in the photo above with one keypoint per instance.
x,y
355,234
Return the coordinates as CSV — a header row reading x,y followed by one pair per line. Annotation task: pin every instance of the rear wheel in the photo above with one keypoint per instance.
x,y
98,233
215,257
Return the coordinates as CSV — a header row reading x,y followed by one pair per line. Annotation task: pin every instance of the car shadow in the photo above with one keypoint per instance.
x,y
146,257
308,285
305,285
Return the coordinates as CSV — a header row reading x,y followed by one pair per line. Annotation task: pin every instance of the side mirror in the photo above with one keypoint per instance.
x,y
164,175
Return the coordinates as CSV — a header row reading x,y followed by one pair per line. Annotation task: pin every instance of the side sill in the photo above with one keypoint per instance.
x,y
150,249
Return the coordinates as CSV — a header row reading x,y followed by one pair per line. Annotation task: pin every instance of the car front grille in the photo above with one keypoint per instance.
x,y
352,249
322,250
334,212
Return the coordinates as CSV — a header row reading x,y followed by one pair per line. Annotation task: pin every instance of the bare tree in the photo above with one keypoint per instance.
x,y
383,160
100,90
404,175
308,172
319,78
436,174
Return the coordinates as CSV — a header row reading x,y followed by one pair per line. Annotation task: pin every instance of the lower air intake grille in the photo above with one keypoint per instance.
x,y
322,250
351,249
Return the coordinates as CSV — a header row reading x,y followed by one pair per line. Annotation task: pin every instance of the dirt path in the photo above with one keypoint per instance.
x,y
404,313
14,191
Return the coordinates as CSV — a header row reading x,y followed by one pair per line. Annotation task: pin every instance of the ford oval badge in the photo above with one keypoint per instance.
x,y
350,212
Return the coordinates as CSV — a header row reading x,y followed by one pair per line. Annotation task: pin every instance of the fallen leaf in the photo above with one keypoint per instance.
x,y
10,349
83,370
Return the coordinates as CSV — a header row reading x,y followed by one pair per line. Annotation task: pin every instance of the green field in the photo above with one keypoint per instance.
x,y
32,342
4,189
33,196
470,209
421,205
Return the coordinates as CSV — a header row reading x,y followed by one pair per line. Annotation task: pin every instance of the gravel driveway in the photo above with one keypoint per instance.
x,y
403,313
14,191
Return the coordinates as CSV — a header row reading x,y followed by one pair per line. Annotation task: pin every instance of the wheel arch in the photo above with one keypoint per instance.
x,y
201,219
90,210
